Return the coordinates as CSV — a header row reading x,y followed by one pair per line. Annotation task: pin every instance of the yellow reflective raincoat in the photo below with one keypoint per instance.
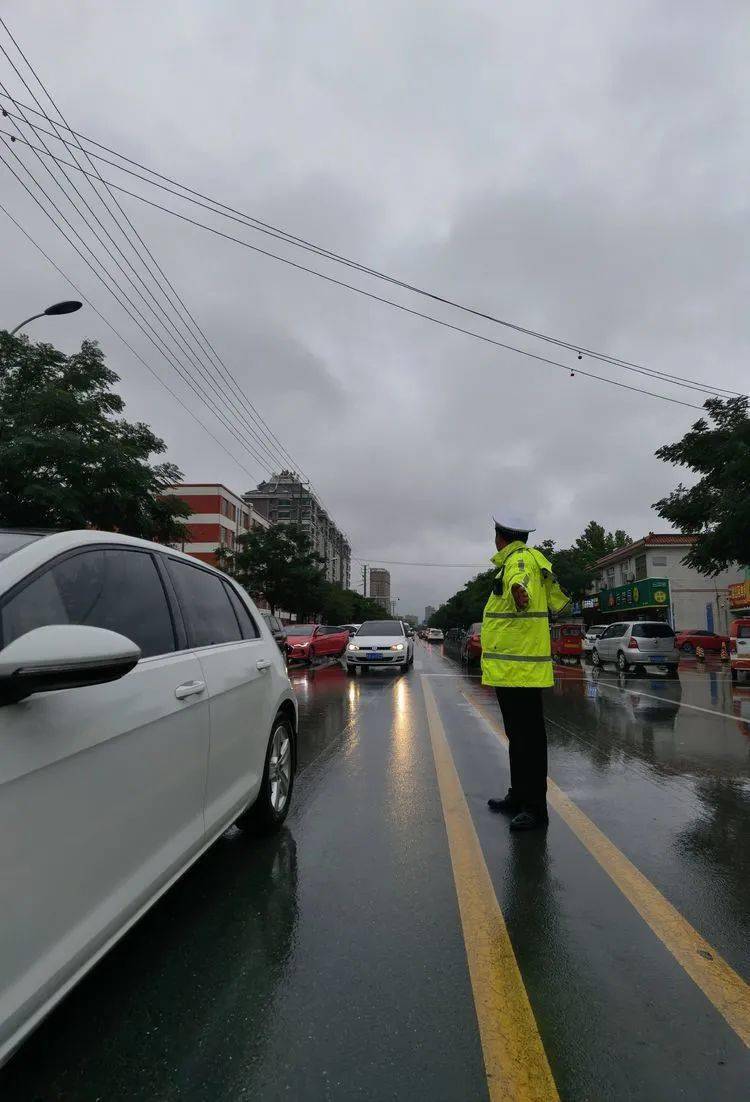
x,y
515,642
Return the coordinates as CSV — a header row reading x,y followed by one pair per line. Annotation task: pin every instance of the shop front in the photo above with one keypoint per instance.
x,y
739,598
647,599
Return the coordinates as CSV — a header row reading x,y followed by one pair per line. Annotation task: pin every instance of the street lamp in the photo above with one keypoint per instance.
x,y
68,307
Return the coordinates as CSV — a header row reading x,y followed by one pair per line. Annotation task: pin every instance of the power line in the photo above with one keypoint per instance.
x,y
576,370
129,346
148,299
189,380
278,233
393,562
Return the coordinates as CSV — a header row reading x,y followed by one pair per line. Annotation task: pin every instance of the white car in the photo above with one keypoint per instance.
x,y
380,643
434,635
144,708
592,634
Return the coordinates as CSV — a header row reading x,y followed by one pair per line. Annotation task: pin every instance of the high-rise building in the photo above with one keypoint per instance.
x,y
218,519
285,499
380,586
428,612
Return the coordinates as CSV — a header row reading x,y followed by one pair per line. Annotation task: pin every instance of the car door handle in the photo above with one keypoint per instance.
x,y
190,688
263,664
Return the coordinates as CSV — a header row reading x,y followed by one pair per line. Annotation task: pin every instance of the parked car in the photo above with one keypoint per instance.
x,y
687,641
593,631
434,635
471,649
637,643
380,643
739,647
144,708
566,641
306,642
276,628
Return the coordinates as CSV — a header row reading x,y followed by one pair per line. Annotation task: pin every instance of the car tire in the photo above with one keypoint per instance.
x,y
687,648
269,811
622,663
596,659
734,675
673,673
351,670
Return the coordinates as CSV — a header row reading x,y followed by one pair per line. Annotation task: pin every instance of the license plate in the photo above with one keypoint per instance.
x,y
372,654
657,657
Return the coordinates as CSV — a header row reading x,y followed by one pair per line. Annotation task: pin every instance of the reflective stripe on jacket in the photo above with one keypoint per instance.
x,y
516,643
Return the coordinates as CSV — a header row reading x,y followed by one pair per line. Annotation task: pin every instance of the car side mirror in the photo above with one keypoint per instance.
x,y
63,656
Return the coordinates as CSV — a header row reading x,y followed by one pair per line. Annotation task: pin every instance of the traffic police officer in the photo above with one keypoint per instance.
x,y
517,663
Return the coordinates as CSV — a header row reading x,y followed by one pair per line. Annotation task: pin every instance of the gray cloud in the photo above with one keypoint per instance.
x,y
579,170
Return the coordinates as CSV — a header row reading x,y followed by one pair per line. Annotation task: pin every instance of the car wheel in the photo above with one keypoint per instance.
x,y
272,804
734,675
622,662
595,658
673,673
687,648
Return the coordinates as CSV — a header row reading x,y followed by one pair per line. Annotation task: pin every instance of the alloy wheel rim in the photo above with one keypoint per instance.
x,y
280,769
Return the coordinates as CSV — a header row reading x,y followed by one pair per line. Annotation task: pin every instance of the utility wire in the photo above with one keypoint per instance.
x,y
129,346
575,370
271,441
190,381
178,341
394,562
282,235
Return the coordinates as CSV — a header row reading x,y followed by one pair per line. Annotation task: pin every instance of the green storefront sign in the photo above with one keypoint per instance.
x,y
648,593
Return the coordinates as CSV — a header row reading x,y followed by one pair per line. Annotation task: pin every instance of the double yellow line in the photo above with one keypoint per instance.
x,y
515,1060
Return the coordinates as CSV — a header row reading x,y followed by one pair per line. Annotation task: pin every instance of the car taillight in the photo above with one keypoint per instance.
x,y
633,644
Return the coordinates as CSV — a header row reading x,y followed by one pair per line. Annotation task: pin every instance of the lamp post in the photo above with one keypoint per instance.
x,y
68,307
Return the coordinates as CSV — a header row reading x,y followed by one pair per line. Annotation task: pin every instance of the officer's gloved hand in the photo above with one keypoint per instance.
x,y
520,596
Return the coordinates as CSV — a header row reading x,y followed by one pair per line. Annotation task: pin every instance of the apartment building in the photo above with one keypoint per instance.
x,y
285,499
648,580
219,517
380,586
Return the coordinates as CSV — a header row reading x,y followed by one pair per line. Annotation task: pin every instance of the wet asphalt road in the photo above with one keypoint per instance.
x,y
330,962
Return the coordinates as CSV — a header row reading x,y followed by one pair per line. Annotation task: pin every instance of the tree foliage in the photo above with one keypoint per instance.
x,y
68,459
718,505
279,565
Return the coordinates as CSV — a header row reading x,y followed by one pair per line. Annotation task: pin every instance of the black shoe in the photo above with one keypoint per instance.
x,y
508,804
531,818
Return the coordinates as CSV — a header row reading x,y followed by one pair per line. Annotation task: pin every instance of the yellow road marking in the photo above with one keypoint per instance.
x,y
514,1057
718,981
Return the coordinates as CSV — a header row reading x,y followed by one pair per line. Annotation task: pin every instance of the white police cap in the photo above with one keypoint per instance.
x,y
514,522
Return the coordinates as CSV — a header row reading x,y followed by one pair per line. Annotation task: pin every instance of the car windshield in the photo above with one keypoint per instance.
x,y
14,541
301,629
652,631
743,631
381,627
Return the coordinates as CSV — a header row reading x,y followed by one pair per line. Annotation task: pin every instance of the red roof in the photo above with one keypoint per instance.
x,y
653,539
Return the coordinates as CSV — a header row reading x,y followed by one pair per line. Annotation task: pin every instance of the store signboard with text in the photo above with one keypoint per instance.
x,y
647,593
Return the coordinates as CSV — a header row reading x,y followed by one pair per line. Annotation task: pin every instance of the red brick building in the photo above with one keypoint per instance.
x,y
219,517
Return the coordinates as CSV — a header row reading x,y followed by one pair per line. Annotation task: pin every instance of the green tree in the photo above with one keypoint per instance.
x,y
279,565
718,505
68,459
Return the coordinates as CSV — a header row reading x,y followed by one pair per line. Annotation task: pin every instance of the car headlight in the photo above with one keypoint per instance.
x,y
397,646
353,646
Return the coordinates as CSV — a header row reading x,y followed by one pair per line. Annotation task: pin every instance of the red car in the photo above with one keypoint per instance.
x,y
687,641
566,640
306,642
471,648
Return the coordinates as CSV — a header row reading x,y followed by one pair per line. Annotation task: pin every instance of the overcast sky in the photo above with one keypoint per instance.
x,y
577,168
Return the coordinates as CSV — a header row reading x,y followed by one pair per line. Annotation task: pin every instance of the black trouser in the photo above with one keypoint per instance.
x,y
523,718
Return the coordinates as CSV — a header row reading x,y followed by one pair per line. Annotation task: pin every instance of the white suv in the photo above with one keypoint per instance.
x,y
144,707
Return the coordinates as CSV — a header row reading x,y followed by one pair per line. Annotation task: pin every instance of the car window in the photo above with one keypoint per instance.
x,y
14,541
105,588
247,624
653,631
614,631
743,632
206,605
